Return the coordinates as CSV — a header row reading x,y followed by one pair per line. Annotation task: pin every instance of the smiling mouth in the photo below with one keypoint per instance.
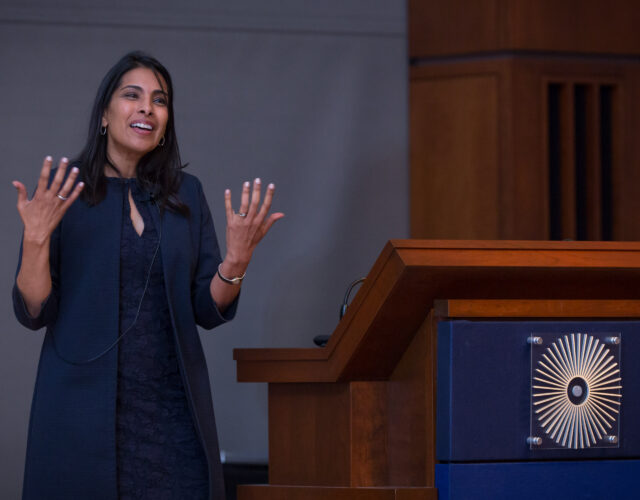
x,y
142,126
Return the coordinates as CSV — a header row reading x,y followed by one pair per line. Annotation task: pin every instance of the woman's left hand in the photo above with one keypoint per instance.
x,y
247,227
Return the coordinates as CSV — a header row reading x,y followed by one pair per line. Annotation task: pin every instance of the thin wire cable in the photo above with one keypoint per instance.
x,y
135,319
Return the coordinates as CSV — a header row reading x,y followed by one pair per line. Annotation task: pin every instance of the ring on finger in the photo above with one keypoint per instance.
x,y
62,197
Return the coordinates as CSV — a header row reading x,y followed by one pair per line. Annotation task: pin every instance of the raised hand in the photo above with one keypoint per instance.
x,y
40,216
43,212
247,227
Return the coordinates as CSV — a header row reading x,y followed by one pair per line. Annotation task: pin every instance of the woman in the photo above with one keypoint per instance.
x,y
119,261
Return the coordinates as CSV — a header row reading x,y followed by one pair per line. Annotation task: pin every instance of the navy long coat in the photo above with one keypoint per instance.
x,y
71,451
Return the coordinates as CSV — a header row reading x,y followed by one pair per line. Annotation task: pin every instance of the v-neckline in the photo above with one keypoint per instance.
x,y
132,207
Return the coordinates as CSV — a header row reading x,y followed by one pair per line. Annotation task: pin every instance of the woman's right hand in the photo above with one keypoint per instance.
x,y
42,214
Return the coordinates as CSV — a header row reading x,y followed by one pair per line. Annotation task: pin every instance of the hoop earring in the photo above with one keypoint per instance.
x,y
103,130
161,143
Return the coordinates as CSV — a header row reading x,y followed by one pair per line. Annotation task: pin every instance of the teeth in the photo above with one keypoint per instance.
x,y
142,125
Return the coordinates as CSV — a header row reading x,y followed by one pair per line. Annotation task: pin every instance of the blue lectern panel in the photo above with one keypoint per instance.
x,y
484,389
588,480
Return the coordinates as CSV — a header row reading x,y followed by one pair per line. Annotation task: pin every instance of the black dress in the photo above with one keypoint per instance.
x,y
159,455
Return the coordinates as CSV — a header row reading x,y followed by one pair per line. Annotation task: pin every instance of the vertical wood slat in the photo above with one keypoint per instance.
x,y
567,163
606,95
551,135
580,97
369,431
625,175
411,440
593,164
580,206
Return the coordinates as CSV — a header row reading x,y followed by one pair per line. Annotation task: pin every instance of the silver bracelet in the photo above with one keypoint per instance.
x,y
232,281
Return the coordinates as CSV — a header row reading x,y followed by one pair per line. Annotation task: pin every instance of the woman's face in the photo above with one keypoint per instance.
x,y
137,115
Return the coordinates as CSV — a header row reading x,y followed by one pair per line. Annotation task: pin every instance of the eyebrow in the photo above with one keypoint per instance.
x,y
137,87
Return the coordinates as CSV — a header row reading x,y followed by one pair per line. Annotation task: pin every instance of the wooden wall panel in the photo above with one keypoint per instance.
x,y
564,109
587,26
451,101
533,77
454,27
626,176
523,167
454,157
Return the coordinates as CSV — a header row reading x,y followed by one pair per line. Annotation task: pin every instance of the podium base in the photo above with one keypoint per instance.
x,y
598,479
273,492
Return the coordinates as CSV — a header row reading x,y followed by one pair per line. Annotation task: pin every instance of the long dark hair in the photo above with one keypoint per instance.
x,y
159,170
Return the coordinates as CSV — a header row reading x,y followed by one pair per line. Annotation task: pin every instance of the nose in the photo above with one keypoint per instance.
x,y
146,106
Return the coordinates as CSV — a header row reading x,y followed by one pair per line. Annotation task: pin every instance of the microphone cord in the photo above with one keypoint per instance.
x,y
135,319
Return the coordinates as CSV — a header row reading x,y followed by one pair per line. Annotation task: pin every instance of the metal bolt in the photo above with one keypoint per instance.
x,y
612,340
611,439
535,340
534,440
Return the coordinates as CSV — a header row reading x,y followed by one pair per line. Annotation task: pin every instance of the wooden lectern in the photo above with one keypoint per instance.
x,y
356,419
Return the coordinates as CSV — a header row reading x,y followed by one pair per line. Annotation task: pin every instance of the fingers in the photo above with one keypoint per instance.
x,y
227,204
244,199
270,222
74,194
266,204
66,194
255,197
57,180
250,205
43,181
22,193
68,185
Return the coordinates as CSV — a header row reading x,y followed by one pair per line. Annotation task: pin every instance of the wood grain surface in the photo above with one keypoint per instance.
x,y
267,492
410,274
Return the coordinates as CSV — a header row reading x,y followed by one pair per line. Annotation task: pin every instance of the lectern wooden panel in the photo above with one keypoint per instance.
x,y
360,413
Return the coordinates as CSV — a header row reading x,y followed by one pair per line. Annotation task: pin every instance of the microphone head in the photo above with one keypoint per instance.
x,y
343,310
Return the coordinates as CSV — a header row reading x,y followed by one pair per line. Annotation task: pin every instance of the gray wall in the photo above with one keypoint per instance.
x,y
309,95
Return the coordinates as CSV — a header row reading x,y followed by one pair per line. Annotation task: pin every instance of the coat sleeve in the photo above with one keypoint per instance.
x,y
206,311
49,310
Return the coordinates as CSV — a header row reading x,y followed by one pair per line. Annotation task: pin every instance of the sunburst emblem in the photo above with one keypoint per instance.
x,y
577,391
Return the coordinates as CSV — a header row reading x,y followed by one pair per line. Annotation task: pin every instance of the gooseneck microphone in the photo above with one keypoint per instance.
x,y
345,302
321,340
